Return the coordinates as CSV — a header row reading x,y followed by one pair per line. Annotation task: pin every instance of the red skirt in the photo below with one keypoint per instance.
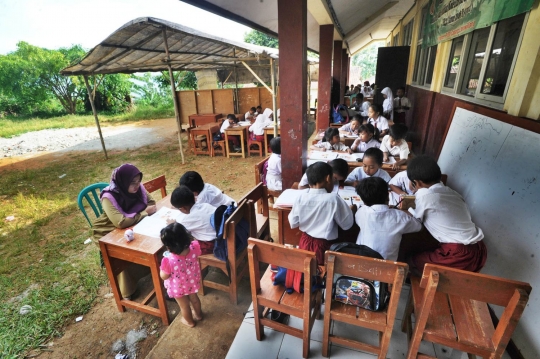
x,y
317,245
470,257
259,138
207,247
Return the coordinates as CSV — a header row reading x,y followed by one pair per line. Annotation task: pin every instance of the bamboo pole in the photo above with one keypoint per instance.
x,y
257,77
91,95
274,94
175,98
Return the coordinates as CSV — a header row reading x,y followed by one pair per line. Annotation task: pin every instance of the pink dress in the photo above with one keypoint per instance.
x,y
184,271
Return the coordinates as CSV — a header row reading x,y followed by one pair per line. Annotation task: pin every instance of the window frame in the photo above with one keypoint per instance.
x,y
395,40
492,100
421,58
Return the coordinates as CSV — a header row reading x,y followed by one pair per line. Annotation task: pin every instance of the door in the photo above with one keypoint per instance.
x,y
392,65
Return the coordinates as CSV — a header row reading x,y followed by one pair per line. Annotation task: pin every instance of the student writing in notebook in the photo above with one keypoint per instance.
x,y
318,212
367,138
394,144
331,142
340,169
371,167
204,192
351,128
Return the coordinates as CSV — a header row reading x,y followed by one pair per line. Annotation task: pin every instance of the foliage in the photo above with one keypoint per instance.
x,y
113,93
258,38
367,60
155,89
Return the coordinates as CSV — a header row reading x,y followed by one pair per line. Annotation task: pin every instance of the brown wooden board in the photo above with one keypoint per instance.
x,y
188,105
223,101
204,101
248,98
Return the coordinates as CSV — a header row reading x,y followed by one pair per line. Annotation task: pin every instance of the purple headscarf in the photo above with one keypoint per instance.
x,y
129,204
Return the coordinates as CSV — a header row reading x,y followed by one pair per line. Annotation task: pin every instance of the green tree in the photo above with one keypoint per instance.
x,y
258,38
367,60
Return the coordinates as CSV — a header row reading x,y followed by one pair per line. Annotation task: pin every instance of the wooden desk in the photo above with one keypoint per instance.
x,y
205,130
201,119
269,131
241,131
143,250
348,141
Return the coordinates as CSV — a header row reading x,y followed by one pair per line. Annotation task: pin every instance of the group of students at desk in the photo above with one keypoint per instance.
x,y
393,108
255,118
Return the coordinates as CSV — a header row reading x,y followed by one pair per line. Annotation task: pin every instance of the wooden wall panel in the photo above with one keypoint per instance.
x,y
440,116
248,98
188,105
418,118
204,101
223,101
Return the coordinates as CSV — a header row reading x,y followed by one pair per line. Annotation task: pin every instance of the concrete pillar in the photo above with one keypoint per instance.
x,y
336,72
326,49
344,83
292,32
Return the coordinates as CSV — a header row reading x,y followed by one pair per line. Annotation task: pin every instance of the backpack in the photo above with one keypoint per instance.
x,y
264,171
293,281
337,116
363,293
217,220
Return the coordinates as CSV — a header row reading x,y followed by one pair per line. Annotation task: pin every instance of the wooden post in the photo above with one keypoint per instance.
x,y
326,49
336,72
344,74
292,30
236,104
91,98
175,98
274,94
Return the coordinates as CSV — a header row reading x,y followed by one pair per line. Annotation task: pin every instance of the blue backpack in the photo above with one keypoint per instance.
x,y
217,220
336,114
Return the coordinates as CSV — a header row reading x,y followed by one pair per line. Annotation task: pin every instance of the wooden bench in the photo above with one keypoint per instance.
x,y
265,294
259,195
451,309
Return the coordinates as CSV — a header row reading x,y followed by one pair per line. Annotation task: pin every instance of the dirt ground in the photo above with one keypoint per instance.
x,y
103,325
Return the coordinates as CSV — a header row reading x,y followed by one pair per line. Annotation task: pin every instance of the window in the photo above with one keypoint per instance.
x,y
395,40
407,33
481,62
424,56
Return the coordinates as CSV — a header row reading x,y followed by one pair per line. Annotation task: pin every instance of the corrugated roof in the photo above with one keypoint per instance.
x,y
139,46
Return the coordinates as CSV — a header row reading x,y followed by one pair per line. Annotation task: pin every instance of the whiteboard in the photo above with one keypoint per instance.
x,y
495,166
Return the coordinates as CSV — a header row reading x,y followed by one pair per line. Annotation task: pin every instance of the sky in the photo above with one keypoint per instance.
x,y
62,23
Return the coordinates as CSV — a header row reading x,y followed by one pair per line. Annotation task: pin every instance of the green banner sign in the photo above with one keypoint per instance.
x,y
447,19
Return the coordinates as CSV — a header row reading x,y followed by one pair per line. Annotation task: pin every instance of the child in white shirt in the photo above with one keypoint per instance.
x,y
273,171
447,218
351,128
400,185
318,212
377,120
381,227
388,103
204,192
331,141
340,169
371,167
401,105
394,144
195,217
231,121
367,138
251,115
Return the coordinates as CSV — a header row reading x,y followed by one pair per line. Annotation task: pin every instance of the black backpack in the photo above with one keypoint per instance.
x,y
364,293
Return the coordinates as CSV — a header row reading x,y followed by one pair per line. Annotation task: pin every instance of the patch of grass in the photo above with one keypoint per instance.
x,y
43,248
13,126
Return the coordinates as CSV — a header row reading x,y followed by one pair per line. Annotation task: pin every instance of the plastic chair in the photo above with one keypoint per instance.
x,y
94,202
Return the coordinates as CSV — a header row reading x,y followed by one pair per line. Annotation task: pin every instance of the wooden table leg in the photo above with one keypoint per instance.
x,y
158,287
227,145
112,278
242,143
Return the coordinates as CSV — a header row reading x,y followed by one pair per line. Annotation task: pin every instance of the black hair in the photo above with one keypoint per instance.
x,y
175,237
275,145
360,95
424,168
193,181
373,190
259,107
376,108
254,109
182,196
317,172
357,118
375,153
401,88
231,116
340,167
398,131
330,133
369,128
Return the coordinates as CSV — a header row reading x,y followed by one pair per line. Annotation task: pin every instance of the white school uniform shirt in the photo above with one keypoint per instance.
x,y
381,228
446,215
248,115
213,195
319,213
388,103
197,222
402,181
304,182
273,173
336,147
358,174
359,146
404,103
381,123
364,109
224,126
402,150
347,128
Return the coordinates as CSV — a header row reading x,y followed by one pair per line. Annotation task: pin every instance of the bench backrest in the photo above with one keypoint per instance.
x,y
291,258
155,184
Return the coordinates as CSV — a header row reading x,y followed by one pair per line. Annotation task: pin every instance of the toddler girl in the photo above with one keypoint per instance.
x,y
181,272
331,141
367,138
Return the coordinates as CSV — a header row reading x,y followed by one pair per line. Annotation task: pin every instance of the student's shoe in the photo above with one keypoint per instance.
x,y
237,149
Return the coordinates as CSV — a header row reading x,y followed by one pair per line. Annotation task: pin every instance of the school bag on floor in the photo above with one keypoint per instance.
x,y
338,112
363,293
217,220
